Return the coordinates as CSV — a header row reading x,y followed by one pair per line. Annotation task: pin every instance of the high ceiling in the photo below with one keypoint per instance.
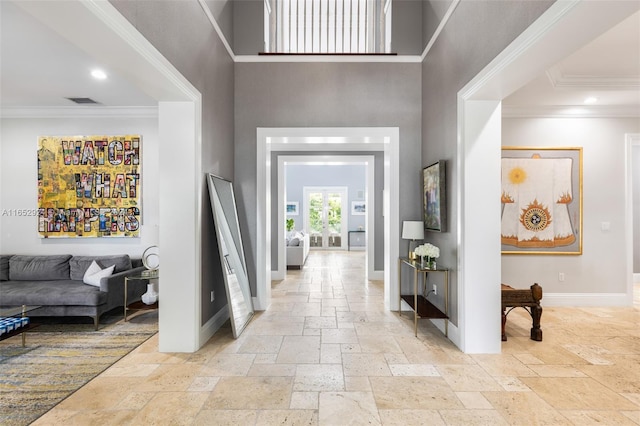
x,y
39,68
608,68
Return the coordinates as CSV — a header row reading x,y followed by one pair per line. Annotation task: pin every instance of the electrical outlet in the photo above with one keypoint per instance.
x,y
435,289
560,276
213,296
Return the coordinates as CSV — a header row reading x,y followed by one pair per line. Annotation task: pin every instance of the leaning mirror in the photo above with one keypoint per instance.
x,y
234,267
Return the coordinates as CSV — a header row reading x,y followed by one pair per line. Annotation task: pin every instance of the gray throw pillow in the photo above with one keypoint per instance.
x,y
80,264
37,268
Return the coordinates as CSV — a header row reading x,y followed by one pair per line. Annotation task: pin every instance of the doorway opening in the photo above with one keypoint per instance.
x,y
294,171
329,143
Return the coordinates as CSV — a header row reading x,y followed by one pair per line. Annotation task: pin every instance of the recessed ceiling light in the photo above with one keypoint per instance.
x,y
590,100
98,74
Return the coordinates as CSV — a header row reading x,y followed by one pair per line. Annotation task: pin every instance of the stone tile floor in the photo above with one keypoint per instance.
x,y
327,353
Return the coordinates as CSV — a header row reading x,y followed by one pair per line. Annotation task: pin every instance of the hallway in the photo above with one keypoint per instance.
x,y
326,352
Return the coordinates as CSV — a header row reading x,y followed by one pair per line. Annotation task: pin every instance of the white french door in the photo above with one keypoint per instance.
x,y
325,216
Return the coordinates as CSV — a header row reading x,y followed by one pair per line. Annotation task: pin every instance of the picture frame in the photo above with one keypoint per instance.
x,y
550,220
292,208
434,197
358,208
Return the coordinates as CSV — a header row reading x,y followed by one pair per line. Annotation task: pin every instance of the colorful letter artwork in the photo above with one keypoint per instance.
x,y
89,186
541,201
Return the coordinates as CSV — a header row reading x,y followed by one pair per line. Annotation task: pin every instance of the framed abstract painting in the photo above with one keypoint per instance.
x,y
434,200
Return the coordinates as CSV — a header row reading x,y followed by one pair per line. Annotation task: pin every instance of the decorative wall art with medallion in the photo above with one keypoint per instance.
x,y
541,200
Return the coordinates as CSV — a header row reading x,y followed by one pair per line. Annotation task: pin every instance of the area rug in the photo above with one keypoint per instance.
x,y
62,355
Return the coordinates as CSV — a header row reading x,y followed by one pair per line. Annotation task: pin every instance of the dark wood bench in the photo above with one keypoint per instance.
x,y
528,299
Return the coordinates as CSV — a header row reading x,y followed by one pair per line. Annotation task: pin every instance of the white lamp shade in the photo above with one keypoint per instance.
x,y
412,230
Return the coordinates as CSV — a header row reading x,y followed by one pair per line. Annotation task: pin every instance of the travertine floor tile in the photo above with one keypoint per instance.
x,y
414,393
287,417
261,345
525,408
467,378
557,371
227,365
319,377
299,349
405,417
304,401
326,352
589,417
577,394
178,408
472,417
358,364
226,417
413,370
354,408
474,401
241,393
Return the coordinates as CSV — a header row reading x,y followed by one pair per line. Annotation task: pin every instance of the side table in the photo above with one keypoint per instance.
x,y
14,321
137,306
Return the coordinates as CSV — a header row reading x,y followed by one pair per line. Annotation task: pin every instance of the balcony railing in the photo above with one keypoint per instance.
x,y
327,26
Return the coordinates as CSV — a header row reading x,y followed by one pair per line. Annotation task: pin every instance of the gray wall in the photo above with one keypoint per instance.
x,y
324,95
248,27
475,34
406,27
208,66
353,177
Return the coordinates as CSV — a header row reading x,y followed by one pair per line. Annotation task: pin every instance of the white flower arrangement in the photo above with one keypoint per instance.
x,y
427,250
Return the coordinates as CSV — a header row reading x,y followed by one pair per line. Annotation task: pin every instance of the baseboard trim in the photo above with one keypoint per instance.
x,y
376,276
278,275
586,299
213,325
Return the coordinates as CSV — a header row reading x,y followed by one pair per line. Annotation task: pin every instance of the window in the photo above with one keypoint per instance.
x,y
328,26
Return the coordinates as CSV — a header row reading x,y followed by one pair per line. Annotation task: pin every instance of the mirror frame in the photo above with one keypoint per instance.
x,y
228,263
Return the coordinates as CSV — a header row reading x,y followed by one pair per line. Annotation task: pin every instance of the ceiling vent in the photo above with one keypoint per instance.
x,y
83,101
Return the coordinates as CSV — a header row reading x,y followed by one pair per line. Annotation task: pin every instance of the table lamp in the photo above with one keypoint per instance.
x,y
412,230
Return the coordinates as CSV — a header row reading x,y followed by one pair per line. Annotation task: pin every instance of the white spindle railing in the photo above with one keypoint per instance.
x,y
327,26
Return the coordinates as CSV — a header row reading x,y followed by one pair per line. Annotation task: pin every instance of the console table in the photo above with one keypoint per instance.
x,y
418,302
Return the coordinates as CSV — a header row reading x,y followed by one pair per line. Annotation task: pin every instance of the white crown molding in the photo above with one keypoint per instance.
x,y
438,30
570,111
215,25
560,80
79,112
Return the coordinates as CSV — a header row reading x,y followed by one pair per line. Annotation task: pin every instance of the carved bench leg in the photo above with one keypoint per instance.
x,y
536,332
504,322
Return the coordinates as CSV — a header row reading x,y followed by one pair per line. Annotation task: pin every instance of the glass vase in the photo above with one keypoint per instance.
x,y
428,262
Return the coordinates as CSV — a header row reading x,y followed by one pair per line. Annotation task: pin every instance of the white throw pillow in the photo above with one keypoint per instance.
x,y
94,273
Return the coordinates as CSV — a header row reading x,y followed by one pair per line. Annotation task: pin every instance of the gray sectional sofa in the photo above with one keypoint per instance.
x,y
55,282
